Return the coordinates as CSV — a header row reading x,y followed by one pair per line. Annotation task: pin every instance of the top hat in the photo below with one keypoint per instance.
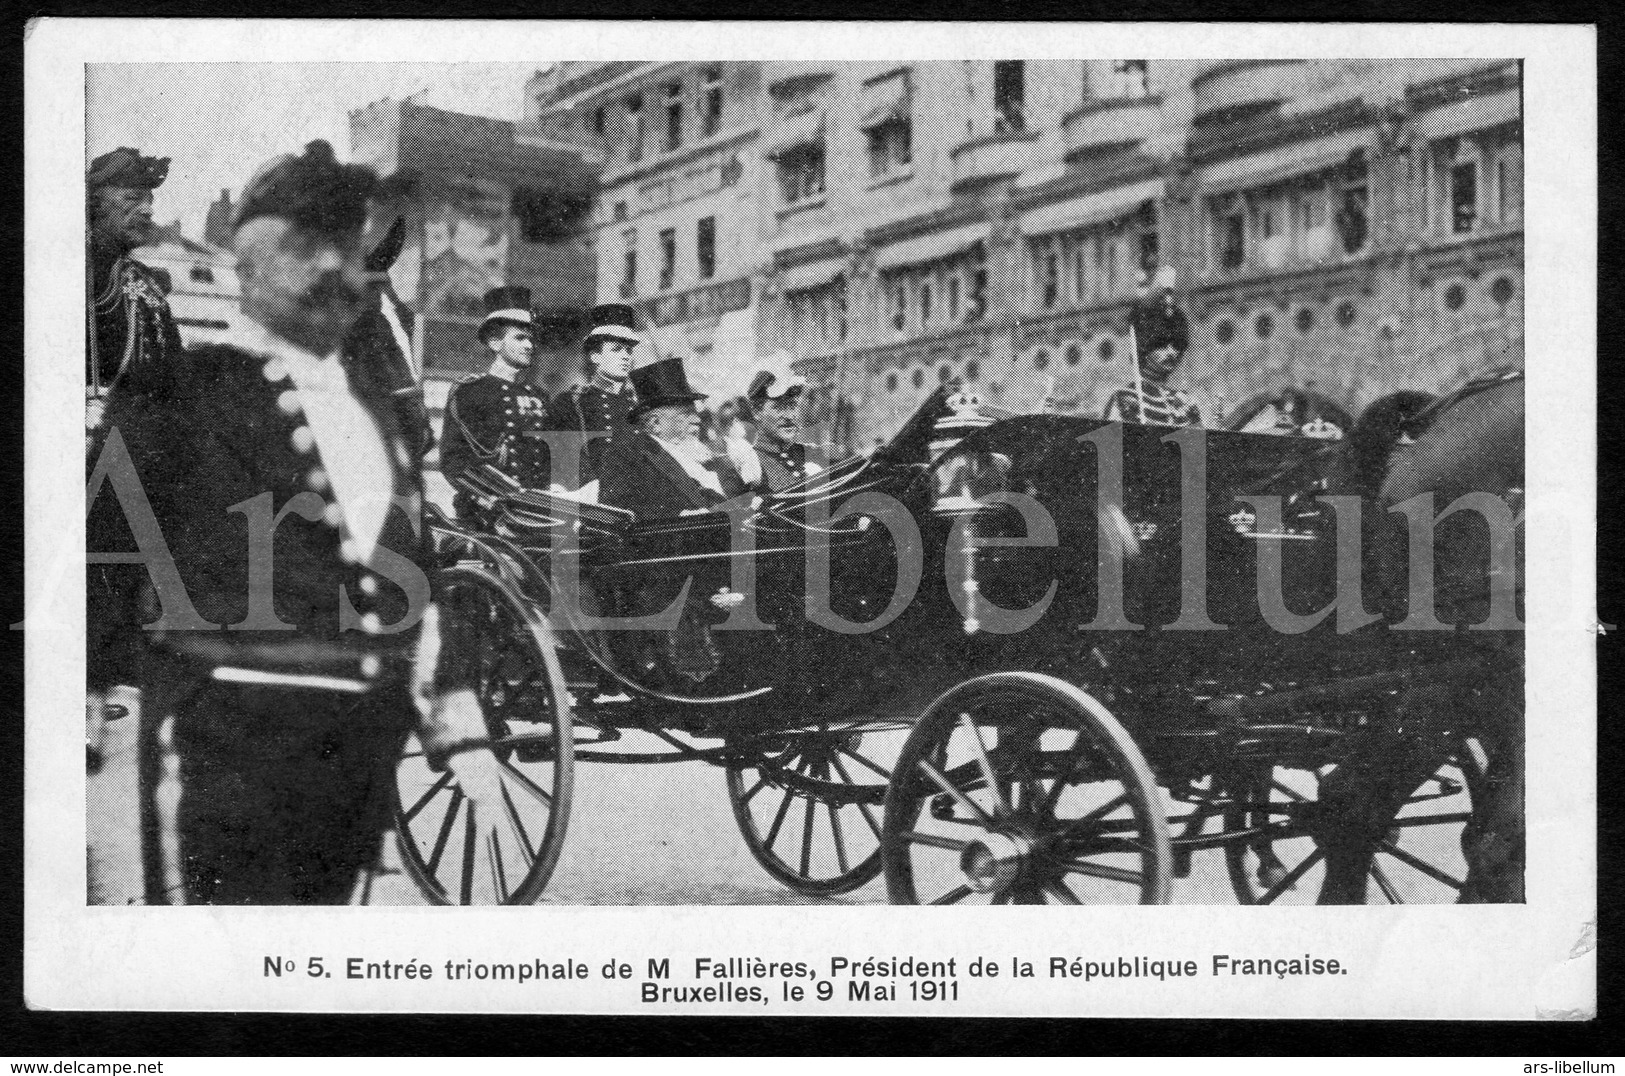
x,y
614,321
507,306
126,167
313,191
774,379
661,383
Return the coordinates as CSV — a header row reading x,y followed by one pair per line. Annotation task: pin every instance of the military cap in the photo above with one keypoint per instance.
x,y
614,321
774,378
313,191
126,167
507,306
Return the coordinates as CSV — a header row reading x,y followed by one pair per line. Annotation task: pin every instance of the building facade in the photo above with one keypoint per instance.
x,y
487,203
1348,228
675,221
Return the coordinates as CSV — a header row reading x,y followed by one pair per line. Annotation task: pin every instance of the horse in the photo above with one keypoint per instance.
x,y
1469,442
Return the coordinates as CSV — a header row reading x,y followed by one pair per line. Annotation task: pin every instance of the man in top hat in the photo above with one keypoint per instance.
x,y
600,409
277,510
664,468
775,398
498,417
1160,334
129,324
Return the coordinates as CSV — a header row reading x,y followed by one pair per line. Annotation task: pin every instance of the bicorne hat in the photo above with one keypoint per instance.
x,y
661,383
614,321
507,306
774,379
313,191
126,167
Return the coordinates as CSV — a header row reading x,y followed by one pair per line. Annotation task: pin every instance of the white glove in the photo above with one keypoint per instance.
x,y
744,458
480,777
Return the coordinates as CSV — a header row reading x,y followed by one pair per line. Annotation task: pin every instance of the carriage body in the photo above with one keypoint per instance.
x,y
806,631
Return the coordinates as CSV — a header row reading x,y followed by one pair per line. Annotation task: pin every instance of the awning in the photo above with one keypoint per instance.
x,y
1096,208
801,130
1302,159
811,275
930,248
1473,114
884,101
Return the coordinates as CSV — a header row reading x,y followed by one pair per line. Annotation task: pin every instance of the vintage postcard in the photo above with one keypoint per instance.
x,y
594,518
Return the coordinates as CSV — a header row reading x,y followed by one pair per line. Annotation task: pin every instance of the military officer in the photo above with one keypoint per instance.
x,y
498,417
129,324
603,404
775,396
272,494
1160,334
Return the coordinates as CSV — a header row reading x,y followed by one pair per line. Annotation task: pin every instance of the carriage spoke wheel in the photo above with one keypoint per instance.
x,y
1019,788
1303,852
500,849
809,807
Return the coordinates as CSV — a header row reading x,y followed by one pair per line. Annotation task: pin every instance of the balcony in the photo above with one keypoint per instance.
x,y
989,158
1233,89
1108,124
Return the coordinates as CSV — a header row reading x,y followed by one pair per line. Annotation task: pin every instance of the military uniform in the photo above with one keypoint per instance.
x,y
1154,326
492,420
784,464
1163,406
589,410
133,328
292,583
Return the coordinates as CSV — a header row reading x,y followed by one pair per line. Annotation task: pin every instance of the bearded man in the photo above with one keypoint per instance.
x,y
277,510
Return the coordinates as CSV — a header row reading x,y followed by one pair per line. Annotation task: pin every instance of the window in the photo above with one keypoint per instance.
x,y
600,122
978,294
1050,273
629,265
801,172
925,304
674,116
202,274
668,257
1009,96
1464,189
890,147
1130,78
634,127
1509,184
1230,231
899,306
1150,252
1109,285
705,247
1354,212
711,100
953,296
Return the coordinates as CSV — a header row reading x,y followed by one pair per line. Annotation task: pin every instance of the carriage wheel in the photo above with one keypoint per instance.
x,y
1019,788
810,806
460,852
1414,859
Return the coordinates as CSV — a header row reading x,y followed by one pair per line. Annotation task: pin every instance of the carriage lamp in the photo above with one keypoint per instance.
x,y
993,861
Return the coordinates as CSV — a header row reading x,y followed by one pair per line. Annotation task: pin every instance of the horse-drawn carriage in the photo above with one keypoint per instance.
x,y
1048,663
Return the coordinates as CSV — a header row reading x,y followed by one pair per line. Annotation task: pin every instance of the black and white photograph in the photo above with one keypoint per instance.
x,y
599,534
